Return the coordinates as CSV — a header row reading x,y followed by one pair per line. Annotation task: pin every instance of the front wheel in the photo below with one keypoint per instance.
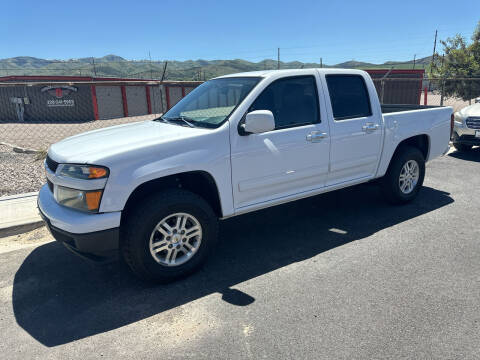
x,y
169,235
404,176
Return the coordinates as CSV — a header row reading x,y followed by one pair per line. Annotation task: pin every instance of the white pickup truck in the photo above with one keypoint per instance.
x,y
154,191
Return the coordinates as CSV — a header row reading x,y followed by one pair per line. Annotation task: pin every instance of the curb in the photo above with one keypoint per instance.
x,y
21,150
21,214
18,196
20,229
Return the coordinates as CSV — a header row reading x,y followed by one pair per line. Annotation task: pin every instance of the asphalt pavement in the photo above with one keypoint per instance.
x,y
341,275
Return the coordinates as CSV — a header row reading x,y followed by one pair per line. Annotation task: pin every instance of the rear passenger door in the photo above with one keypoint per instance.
x,y
356,130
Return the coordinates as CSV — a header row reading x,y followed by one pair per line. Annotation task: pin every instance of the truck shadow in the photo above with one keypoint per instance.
x,y
472,155
58,298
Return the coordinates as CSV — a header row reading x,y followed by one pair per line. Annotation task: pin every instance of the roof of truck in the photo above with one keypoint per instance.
x,y
268,73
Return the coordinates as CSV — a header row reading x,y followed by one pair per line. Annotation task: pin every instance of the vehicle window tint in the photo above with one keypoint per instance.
x,y
293,101
349,96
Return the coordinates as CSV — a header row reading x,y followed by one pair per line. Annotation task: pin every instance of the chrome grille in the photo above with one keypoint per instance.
x,y
473,122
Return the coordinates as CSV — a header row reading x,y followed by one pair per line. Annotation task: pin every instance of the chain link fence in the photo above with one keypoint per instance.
x,y
35,114
455,92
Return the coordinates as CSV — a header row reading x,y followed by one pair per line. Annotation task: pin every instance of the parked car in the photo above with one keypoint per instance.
x,y
466,131
154,191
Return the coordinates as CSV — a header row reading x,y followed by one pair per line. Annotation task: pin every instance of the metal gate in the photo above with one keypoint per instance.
x,y
109,99
136,100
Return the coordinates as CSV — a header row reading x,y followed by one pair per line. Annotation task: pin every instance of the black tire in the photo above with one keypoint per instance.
x,y
143,219
390,182
462,147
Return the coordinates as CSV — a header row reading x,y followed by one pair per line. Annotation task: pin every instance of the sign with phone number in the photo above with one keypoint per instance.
x,y
60,102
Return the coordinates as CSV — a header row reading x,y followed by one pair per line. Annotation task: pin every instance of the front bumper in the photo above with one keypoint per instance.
x,y
466,139
92,236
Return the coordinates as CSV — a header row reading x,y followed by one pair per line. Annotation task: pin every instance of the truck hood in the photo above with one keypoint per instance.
x,y
97,145
472,110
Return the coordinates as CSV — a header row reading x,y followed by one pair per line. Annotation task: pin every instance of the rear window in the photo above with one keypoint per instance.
x,y
349,96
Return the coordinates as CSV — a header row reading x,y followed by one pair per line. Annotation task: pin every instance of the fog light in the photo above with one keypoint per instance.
x,y
78,199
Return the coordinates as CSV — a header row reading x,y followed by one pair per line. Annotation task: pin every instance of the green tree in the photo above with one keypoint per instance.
x,y
459,66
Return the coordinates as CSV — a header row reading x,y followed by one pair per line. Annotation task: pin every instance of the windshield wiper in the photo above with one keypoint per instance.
x,y
181,118
162,119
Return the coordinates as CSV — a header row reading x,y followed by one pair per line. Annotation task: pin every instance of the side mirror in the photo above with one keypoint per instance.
x,y
259,121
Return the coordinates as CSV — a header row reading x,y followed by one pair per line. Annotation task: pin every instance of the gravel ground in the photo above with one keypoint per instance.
x,y
434,99
40,136
19,173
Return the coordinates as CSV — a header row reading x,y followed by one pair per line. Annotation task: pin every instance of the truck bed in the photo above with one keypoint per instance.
x,y
404,121
391,108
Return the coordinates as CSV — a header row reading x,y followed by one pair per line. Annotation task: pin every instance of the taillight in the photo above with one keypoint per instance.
x,y
452,121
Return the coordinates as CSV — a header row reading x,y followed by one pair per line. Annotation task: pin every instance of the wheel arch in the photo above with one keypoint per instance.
x,y
421,142
199,182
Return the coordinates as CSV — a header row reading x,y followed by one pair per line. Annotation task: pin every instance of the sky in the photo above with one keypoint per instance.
x,y
337,31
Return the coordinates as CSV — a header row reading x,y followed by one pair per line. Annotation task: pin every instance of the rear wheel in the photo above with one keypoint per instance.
x,y
169,235
462,147
404,176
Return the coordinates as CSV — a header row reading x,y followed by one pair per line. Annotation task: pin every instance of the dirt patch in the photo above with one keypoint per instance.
x,y
35,237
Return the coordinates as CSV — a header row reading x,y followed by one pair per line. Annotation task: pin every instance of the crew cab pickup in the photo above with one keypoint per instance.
x,y
154,191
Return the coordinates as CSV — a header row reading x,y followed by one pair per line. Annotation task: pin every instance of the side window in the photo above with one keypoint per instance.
x,y
293,101
349,96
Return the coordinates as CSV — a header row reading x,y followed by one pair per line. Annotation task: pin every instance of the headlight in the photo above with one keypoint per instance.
x,y
83,172
458,120
78,199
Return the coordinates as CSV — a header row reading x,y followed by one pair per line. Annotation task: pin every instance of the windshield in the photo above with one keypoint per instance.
x,y
211,103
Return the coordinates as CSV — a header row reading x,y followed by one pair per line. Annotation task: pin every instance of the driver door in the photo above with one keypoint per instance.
x,y
291,159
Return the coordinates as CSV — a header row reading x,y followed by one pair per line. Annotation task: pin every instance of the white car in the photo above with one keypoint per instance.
x,y
466,131
154,191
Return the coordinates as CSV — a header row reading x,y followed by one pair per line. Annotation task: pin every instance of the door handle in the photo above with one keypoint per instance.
x,y
370,127
316,136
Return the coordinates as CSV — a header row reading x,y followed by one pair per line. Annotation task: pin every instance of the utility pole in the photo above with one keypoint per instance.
x,y
94,68
433,55
164,71
443,81
278,58
151,70
414,58
321,62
